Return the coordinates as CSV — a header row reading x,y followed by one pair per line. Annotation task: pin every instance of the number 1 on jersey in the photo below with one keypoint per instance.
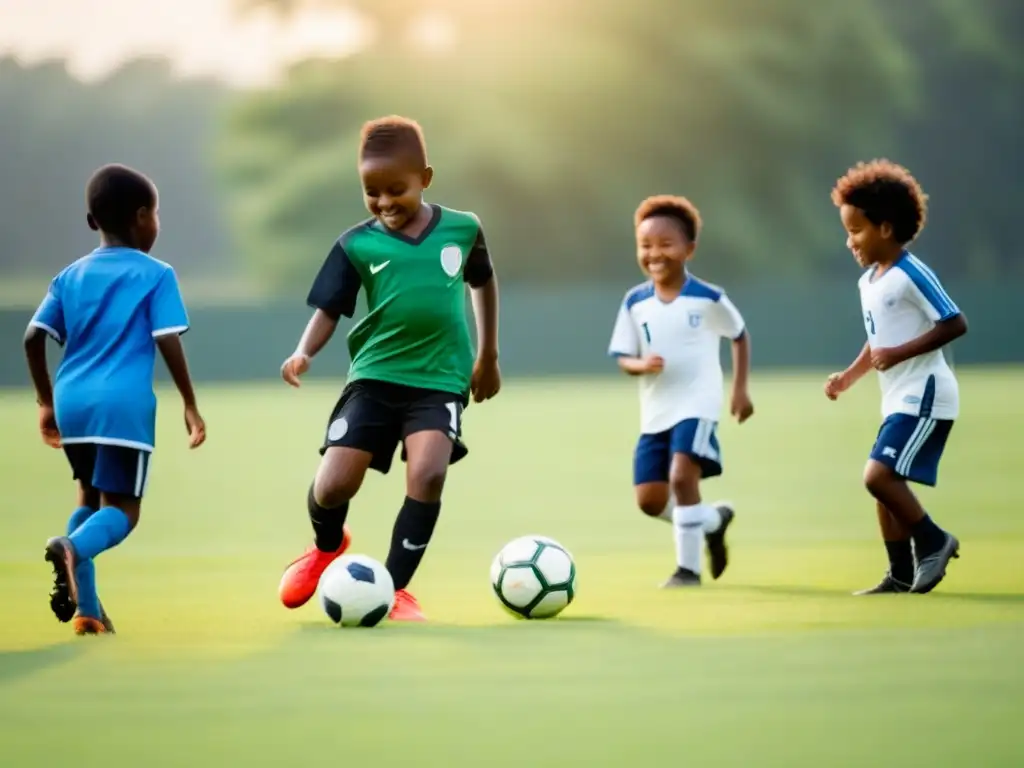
x,y
647,332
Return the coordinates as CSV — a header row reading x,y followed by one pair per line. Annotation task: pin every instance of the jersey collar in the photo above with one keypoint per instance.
x,y
435,219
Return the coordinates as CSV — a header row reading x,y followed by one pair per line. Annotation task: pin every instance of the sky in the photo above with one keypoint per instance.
x,y
200,37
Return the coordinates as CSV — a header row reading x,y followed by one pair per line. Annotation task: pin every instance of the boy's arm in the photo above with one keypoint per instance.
x,y
741,362
859,368
485,311
35,356
925,291
173,353
318,332
944,332
638,366
333,295
625,346
483,282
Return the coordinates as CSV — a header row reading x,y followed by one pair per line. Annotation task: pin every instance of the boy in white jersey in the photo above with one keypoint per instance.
x,y
668,333
909,317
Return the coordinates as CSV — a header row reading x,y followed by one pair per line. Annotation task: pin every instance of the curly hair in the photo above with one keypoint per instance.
x,y
885,192
672,206
391,135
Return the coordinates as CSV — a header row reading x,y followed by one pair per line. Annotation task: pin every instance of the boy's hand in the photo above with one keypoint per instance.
x,y
294,367
48,426
486,380
884,358
195,426
742,406
835,385
654,364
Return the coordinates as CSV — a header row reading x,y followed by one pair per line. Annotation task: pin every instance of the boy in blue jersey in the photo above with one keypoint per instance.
x,y
110,310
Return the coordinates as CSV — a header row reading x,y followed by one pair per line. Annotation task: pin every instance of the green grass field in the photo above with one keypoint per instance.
x,y
775,665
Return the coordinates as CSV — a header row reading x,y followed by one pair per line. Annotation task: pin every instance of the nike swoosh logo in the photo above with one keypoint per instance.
x,y
412,547
375,268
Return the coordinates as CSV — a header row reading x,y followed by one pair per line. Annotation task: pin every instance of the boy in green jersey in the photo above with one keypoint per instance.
x,y
413,367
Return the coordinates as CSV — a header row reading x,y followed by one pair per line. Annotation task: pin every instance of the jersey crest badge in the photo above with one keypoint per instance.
x,y
451,260
695,319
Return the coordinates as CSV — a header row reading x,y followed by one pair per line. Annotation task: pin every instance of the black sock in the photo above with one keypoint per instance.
x,y
409,539
928,537
327,523
901,561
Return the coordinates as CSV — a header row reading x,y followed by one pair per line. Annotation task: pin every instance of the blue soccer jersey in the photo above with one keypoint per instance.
x,y
107,310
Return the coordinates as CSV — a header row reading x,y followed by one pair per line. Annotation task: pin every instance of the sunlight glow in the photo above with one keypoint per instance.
x,y
201,38
434,33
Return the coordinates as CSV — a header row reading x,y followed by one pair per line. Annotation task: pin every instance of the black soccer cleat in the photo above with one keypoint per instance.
x,y
108,625
683,577
60,553
887,586
718,552
932,569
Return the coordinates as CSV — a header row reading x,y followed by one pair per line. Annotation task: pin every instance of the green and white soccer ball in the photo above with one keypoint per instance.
x,y
534,577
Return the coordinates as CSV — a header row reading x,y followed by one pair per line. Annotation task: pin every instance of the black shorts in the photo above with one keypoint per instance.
x,y
375,416
109,468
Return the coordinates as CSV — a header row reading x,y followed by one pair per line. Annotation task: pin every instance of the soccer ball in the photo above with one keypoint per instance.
x,y
534,577
356,591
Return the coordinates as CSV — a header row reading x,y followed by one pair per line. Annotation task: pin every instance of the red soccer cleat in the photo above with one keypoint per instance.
x,y
406,608
302,575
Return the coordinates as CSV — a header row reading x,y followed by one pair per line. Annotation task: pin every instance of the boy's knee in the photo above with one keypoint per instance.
x,y
651,508
685,483
330,493
78,517
652,498
426,483
877,478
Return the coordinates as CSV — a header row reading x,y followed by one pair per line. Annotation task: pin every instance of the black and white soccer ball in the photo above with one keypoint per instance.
x,y
356,591
534,577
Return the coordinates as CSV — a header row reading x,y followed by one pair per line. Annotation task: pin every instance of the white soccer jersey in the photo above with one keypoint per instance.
x,y
687,333
899,306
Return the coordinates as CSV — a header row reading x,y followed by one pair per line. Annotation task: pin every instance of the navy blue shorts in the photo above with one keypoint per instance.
x,y
110,468
696,438
912,446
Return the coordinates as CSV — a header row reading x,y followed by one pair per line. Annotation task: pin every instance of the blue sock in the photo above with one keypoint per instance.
x,y
105,529
85,570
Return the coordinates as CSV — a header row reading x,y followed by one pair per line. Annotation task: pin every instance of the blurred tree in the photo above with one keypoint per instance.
x,y
552,120
55,131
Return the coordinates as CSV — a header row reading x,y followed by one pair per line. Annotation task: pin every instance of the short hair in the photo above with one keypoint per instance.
x,y
674,207
114,195
885,192
387,136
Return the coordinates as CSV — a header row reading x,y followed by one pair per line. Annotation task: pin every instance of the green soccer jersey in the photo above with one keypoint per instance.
x,y
415,332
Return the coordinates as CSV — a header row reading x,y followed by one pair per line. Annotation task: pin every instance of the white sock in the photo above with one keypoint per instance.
x,y
666,513
688,523
711,518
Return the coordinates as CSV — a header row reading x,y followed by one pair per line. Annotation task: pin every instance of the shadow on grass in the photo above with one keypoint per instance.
x,y
434,628
17,664
993,598
782,590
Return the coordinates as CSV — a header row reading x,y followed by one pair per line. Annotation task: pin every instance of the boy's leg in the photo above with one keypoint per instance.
x,y
120,475
88,618
432,440
695,456
909,448
650,476
338,478
362,433
428,454
900,575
